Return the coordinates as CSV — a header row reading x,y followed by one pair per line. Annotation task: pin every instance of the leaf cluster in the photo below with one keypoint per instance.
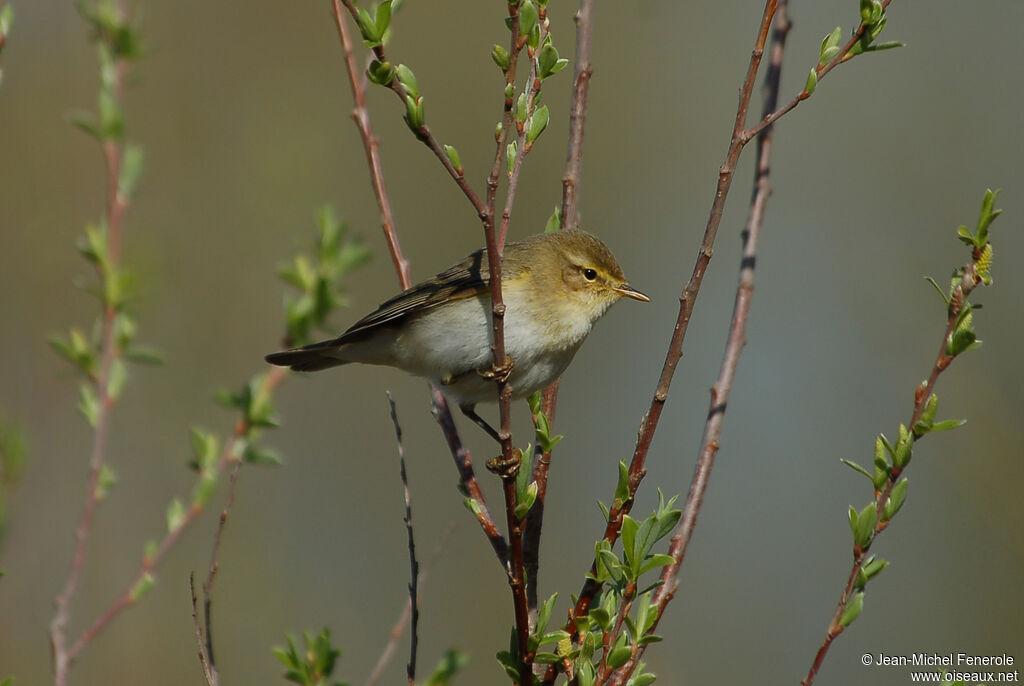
x,y
336,254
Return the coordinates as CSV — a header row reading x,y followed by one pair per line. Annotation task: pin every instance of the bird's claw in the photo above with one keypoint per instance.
x,y
506,468
498,373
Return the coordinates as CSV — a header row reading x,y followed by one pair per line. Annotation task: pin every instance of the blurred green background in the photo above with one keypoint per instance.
x,y
242,109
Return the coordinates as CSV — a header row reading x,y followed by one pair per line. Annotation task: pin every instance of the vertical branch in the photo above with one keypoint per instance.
x,y
577,115
736,340
414,567
116,203
582,71
205,638
361,116
439,405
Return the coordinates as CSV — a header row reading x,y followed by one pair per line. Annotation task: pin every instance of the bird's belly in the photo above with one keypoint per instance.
x,y
450,344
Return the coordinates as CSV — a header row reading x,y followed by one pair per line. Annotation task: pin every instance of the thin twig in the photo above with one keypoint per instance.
x,y
414,566
843,55
406,614
117,203
943,359
582,72
736,340
127,598
687,300
210,662
439,405
423,132
209,671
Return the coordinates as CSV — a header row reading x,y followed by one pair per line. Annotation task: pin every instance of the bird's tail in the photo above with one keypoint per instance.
x,y
309,358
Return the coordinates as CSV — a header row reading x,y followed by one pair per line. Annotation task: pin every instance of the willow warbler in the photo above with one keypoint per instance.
x,y
555,287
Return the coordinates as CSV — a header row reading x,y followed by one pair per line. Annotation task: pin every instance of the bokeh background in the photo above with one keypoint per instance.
x,y
243,113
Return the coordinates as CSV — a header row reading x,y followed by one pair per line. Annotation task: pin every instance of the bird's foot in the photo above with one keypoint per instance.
x,y
506,468
498,373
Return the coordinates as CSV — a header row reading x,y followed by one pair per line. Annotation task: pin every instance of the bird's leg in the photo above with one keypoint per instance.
x,y
506,469
498,373
470,411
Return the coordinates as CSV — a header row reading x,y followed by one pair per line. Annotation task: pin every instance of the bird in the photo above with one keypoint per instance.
x,y
555,287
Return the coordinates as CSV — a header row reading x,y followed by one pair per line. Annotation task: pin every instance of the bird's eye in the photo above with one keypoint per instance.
x,y
589,274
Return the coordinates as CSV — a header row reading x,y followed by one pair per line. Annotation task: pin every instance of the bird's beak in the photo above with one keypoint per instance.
x,y
627,291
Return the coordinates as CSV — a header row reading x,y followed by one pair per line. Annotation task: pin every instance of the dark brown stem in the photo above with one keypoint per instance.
x,y
577,115
209,671
478,504
414,566
535,518
406,615
208,662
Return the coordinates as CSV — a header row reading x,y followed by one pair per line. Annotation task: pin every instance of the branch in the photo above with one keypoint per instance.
x,y
686,303
570,187
439,406
577,115
116,204
143,578
206,646
422,132
414,567
957,320
737,334
406,615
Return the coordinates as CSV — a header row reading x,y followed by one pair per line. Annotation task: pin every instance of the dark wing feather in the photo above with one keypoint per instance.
x,y
463,280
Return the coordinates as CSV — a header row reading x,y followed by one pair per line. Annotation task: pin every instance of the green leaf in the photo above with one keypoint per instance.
x,y
537,123
853,609
453,157
116,380
896,499
383,18
131,168
948,424
380,73
887,45
175,515
414,116
811,84
527,17
510,152
143,354
865,526
622,487
857,468
501,57
104,481
654,562
368,27
629,530
619,656
261,456
89,404
408,81
447,667
142,586
554,222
